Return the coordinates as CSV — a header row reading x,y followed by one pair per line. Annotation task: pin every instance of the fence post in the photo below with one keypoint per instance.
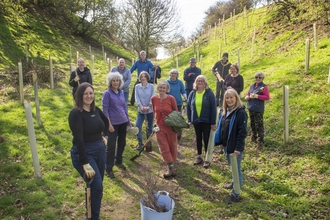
x,y
252,48
90,52
77,57
307,55
32,138
51,72
315,36
20,73
286,113
36,97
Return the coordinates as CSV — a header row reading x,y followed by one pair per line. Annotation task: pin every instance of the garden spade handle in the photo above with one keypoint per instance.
x,y
88,196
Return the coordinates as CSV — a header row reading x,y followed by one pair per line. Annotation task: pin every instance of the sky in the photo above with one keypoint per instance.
x,y
193,13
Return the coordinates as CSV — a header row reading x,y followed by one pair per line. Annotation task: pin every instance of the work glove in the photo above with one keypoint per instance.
x,y
253,96
247,97
76,79
89,170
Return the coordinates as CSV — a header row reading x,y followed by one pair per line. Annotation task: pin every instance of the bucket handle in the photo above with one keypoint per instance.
x,y
163,192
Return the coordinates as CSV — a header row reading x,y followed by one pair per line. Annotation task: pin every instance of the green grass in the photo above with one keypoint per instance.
x,y
289,179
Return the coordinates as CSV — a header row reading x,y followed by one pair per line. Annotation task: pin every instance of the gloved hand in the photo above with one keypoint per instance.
x,y
253,96
247,97
89,170
76,79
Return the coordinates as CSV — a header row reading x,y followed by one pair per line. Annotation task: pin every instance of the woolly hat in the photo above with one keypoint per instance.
x,y
192,60
225,54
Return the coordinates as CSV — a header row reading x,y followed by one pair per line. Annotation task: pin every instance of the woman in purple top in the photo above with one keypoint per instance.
x,y
115,109
234,80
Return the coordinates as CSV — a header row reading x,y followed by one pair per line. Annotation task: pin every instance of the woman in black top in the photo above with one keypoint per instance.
x,y
234,80
89,127
79,75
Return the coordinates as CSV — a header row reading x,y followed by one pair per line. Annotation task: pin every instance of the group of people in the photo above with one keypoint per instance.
x,y
93,128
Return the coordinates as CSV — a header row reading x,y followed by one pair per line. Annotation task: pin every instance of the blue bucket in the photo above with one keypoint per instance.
x,y
162,200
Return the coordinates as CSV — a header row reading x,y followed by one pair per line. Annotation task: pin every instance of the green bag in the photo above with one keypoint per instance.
x,y
176,121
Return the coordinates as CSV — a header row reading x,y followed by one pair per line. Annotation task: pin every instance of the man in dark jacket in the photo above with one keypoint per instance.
x,y
190,75
221,67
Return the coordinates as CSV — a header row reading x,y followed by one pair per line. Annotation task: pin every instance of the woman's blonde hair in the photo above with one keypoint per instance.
x,y
203,78
238,104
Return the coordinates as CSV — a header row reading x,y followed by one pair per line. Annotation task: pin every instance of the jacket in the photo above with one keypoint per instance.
x,y
208,111
142,66
222,68
190,75
236,133
176,90
85,76
258,105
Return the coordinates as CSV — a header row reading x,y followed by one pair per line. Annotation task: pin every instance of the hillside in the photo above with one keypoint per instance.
x,y
282,181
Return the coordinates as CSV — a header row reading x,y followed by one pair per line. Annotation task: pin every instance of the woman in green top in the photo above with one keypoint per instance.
x,y
201,112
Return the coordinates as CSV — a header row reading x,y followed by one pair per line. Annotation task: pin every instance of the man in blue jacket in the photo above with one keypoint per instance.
x,y
190,75
142,64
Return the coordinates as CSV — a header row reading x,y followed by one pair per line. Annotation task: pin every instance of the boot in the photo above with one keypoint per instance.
x,y
253,139
149,147
170,172
179,136
260,145
139,146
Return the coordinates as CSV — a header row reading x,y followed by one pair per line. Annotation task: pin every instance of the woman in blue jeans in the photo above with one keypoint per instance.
x,y
231,134
143,93
89,128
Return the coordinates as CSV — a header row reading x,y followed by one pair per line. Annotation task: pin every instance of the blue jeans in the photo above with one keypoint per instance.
x,y
240,175
95,152
126,96
139,122
116,142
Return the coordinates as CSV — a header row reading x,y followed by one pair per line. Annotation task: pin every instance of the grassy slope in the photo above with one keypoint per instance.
x,y
290,178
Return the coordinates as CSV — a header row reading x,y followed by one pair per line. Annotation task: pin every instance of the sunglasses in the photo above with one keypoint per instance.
x,y
258,77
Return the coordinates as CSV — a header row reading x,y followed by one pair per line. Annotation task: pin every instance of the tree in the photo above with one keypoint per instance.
x,y
150,23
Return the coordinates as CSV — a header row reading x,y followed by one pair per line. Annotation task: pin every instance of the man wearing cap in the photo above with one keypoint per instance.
x,y
190,75
221,67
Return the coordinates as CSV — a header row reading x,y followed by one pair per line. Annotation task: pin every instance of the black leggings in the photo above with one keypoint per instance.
x,y
202,131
